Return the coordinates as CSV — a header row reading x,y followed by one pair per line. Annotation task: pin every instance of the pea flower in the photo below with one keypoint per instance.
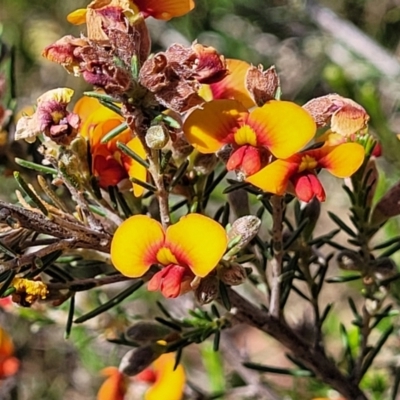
x,y
345,116
159,9
232,86
51,118
9,364
109,164
191,247
114,387
278,128
300,169
164,381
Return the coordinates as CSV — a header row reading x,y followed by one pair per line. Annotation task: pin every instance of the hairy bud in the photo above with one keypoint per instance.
x,y
207,291
349,261
137,360
242,231
145,332
233,274
157,137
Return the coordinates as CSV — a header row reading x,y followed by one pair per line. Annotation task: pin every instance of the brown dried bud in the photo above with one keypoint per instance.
x,y
80,148
384,268
136,360
198,62
233,275
117,22
65,52
242,231
224,153
207,291
157,137
145,332
345,115
205,163
262,85
174,76
387,207
180,147
51,118
349,261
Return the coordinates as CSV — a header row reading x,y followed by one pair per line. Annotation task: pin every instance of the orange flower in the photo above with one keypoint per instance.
x,y
9,364
167,383
114,387
193,246
232,86
341,161
159,9
109,164
280,128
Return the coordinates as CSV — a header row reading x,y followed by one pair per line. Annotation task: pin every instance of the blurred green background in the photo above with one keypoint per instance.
x,y
350,47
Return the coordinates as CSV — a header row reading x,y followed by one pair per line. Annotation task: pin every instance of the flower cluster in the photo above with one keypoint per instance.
x,y
160,124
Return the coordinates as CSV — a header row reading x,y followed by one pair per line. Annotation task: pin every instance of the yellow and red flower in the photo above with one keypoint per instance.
x,y
300,169
114,387
9,364
278,128
159,9
109,164
232,86
191,247
165,381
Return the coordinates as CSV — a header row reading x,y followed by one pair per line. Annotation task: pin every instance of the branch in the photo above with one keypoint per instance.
x,y
276,262
312,358
56,226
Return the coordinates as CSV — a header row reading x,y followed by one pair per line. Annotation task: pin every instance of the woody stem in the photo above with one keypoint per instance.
x,y
312,358
135,121
277,250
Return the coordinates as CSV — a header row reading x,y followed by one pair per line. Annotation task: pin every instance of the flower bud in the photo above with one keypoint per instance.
x,y
262,85
79,147
242,231
349,261
207,291
145,332
384,268
205,163
136,360
157,137
345,116
233,274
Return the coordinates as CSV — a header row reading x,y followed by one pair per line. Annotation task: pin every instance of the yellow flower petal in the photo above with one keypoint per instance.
x,y
199,241
114,387
6,344
164,9
135,244
86,106
233,85
343,160
77,17
282,126
135,169
169,384
274,177
60,95
207,128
